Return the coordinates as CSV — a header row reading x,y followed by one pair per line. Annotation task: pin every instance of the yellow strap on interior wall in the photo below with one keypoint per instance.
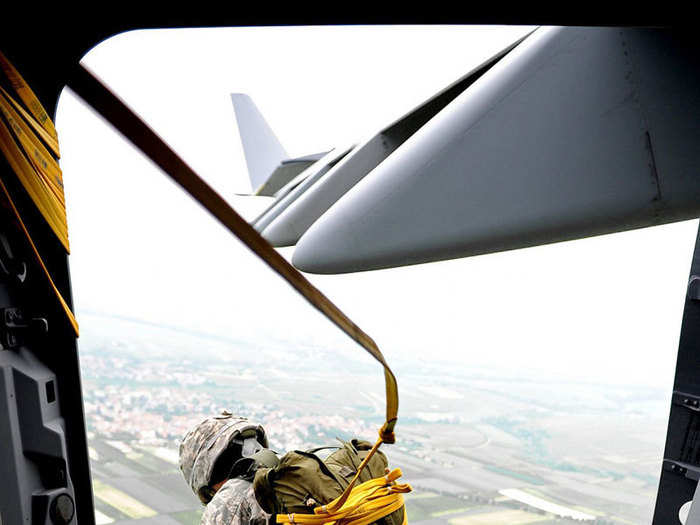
x,y
28,97
38,155
48,139
48,205
33,164
64,305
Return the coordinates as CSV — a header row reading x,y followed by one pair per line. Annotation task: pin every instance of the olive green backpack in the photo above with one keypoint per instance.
x,y
303,481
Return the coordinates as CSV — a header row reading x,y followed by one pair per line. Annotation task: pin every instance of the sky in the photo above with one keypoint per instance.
x,y
605,309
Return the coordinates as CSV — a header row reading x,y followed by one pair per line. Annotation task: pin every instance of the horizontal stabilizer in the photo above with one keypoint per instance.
x,y
298,186
287,171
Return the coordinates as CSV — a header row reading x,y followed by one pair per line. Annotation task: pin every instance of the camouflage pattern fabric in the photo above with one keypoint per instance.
x,y
202,445
234,504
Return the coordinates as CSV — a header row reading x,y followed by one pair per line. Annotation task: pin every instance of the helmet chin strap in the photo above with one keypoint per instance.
x,y
246,466
243,468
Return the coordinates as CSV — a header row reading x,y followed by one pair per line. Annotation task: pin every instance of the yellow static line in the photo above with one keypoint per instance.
x,y
113,109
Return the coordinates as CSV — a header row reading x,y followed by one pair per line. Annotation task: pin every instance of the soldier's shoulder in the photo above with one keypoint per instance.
x,y
234,504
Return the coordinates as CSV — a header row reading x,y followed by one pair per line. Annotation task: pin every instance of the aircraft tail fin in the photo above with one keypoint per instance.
x,y
263,151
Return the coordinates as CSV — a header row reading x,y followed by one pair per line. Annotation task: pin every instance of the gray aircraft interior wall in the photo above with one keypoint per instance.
x,y
32,433
44,466
680,470
576,132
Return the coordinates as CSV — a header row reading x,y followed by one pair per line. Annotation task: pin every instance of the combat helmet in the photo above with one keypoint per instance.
x,y
211,448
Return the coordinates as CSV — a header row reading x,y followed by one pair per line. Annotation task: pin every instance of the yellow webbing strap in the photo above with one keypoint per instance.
x,y
41,157
368,502
34,165
64,305
48,139
107,104
29,98
39,176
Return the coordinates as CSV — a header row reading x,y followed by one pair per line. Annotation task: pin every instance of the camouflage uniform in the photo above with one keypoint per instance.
x,y
234,504
203,445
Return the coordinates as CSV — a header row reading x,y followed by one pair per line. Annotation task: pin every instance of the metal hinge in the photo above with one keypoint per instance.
x,y
15,326
689,401
682,469
9,265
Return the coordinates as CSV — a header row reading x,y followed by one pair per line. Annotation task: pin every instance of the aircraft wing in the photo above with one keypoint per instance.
x,y
570,133
291,223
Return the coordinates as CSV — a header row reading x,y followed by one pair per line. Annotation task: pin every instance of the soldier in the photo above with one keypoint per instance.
x,y
218,458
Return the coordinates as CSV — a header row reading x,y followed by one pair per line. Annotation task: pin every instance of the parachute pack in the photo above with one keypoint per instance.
x,y
302,487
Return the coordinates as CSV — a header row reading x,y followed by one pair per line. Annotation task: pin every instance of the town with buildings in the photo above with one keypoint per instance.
x,y
479,447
